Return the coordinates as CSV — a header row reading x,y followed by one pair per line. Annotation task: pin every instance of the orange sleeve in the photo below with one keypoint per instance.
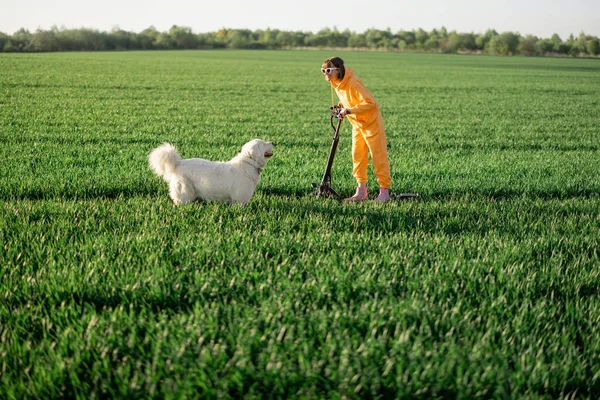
x,y
364,101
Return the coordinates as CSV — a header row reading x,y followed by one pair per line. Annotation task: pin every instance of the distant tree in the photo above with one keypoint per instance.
x,y
443,38
257,35
394,43
320,39
81,39
119,39
241,39
433,43
377,39
408,38
439,34
337,38
346,34
481,41
20,40
67,40
182,37
562,48
558,46
164,41
467,41
512,39
95,39
544,46
556,42
460,42
298,38
44,41
581,42
221,39
357,40
285,39
421,37
593,47
570,43
402,44
206,40
387,39
451,44
527,45
148,37
269,38
505,44
4,38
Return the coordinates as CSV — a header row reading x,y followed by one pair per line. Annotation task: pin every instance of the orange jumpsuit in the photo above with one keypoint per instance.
x,y
368,133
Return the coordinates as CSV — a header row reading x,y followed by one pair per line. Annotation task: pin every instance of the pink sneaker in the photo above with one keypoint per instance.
x,y
360,195
384,195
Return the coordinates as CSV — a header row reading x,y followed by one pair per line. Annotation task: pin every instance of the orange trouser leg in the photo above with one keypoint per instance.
x,y
381,165
360,156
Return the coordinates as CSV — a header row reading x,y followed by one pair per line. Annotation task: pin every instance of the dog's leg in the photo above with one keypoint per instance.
x,y
181,191
241,197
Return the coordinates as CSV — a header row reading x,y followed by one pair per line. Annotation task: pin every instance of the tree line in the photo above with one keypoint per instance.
x,y
181,37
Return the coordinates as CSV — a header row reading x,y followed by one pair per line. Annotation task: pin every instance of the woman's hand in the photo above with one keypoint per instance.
x,y
345,111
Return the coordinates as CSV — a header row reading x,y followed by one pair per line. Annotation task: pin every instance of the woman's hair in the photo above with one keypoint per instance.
x,y
336,62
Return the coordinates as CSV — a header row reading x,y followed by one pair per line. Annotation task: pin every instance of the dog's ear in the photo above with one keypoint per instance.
x,y
246,151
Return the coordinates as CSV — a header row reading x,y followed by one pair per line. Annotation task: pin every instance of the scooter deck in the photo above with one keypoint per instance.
x,y
405,196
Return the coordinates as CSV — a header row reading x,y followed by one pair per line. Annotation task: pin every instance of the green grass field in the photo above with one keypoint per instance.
x,y
486,287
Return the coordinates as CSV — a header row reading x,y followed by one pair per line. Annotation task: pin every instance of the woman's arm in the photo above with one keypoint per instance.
x,y
364,101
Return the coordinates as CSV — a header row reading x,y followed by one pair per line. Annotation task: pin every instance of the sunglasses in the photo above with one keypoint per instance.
x,y
327,70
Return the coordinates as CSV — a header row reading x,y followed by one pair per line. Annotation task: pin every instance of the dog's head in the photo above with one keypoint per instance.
x,y
259,151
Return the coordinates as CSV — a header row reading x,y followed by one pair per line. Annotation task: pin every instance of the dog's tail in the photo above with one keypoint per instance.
x,y
163,160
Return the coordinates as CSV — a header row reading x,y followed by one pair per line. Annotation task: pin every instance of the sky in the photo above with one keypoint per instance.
x,y
541,18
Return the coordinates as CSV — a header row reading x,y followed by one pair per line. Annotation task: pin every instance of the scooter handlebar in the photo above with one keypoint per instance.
x,y
336,111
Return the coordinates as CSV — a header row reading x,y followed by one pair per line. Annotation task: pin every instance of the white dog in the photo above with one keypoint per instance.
x,y
233,181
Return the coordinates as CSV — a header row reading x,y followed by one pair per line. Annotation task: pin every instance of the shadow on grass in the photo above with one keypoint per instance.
x,y
520,147
50,193
434,213
437,213
509,194
470,194
549,67
142,189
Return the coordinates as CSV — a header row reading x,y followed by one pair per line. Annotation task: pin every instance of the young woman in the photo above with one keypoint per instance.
x,y
368,134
